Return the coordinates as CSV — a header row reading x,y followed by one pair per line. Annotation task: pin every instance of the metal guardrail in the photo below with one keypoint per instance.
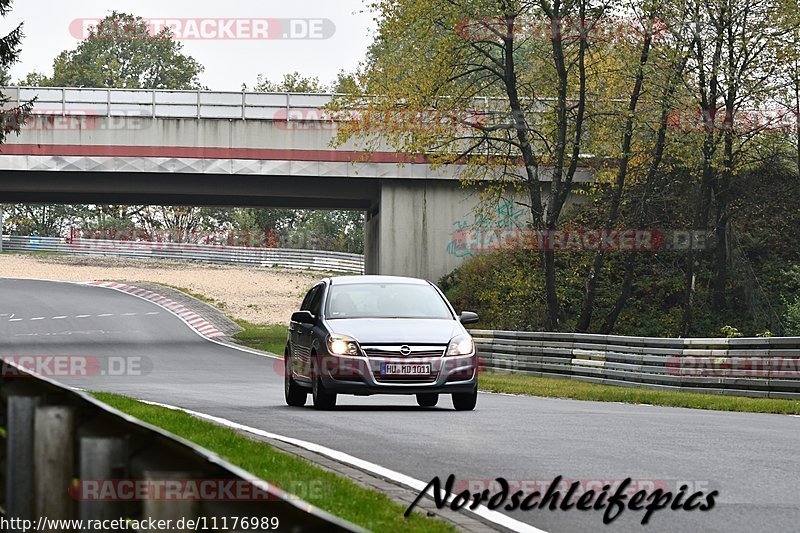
x,y
757,367
57,439
170,104
243,105
319,260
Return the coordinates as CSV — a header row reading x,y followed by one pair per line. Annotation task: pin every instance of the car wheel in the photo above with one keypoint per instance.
x,y
465,401
294,393
428,399
323,400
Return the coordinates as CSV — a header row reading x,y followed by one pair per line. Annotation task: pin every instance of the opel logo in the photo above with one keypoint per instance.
x,y
405,350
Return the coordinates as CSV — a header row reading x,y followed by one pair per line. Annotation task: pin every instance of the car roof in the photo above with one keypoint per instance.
x,y
349,280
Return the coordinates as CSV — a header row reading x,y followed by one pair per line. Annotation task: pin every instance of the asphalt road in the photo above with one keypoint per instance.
x,y
753,460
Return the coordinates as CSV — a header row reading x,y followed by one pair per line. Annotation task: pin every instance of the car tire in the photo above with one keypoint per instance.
x,y
429,399
295,394
323,400
465,401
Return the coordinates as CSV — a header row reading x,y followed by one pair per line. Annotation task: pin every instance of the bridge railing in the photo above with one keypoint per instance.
x,y
245,105
66,456
757,367
72,101
319,260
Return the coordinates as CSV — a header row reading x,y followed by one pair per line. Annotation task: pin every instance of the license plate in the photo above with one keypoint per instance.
x,y
405,369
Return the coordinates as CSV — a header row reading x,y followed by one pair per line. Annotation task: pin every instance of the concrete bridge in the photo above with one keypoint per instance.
x,y
233,149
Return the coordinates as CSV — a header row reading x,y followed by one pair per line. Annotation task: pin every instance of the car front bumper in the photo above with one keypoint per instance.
x,y
363,375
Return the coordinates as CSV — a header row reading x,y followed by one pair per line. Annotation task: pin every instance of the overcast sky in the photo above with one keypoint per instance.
x,y
50,27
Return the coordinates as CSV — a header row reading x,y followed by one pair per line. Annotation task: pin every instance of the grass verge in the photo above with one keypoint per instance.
x,y
267,337
580,390
201,297
335,494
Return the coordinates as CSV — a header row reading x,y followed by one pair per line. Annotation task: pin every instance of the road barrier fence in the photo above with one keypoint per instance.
x,y
319,260
763,367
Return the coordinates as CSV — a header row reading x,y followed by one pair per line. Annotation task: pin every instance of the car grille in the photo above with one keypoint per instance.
x,y
394,351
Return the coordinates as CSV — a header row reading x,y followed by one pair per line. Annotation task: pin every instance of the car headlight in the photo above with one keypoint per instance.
x,y
461,345
342,345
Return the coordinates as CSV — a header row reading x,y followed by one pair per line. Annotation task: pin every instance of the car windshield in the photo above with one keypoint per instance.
x,y
388,300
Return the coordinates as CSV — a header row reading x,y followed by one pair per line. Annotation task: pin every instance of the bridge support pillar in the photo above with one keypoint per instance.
x,y
409,231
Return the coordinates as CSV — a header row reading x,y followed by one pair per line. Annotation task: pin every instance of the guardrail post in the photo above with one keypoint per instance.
x,y
19,455
99,459
54,461
170,509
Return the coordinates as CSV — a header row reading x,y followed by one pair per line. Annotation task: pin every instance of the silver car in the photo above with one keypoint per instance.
x,y
367,335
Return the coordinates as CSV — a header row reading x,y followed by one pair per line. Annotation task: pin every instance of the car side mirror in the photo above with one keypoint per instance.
x,y
468,317
304,317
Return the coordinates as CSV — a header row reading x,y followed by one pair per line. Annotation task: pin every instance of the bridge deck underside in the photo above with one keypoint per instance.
x,y
187,189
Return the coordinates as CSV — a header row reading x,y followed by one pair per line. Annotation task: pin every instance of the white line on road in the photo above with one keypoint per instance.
x,y
82,316
38,318
397,477
107,314
15,320
59,317
152,313
129,314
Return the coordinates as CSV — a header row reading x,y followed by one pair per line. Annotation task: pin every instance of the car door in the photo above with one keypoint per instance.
x,y
303,334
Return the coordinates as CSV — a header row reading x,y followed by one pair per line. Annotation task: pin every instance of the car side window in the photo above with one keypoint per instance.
x,y
316,300
306,305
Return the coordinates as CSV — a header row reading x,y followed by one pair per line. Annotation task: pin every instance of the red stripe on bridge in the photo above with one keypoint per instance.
x,y
192,152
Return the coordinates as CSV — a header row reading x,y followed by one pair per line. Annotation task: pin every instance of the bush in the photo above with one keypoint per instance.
x,y
792,318
500,287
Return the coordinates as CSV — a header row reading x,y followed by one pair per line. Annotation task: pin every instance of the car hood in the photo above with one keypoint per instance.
x,y
397,330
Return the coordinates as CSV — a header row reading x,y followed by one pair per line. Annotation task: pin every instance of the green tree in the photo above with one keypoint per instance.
x,y
293,82
121,52
35,79
346,83
39,220
13,117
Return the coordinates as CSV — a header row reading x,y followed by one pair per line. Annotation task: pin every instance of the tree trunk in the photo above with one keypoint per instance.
x,y
531,172
625,293
722,197
592,278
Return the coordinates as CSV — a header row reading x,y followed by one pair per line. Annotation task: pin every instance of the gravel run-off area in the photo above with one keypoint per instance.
x,y
256,294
